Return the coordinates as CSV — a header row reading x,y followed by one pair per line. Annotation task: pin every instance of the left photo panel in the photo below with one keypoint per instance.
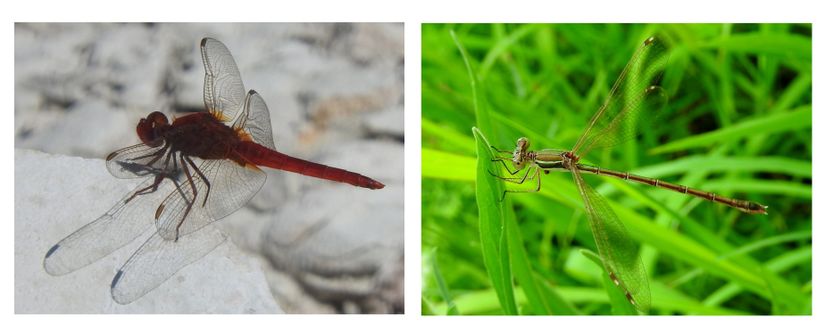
x,y
209,168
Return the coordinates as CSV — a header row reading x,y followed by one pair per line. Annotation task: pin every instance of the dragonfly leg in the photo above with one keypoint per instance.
x,y
205,180
503,155
526,177
174,164
500,150
170,156
157,155
148,190
532,171
189,203
158,175
504,163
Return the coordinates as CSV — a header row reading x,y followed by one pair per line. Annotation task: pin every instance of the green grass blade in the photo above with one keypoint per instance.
x,y
741,103
741,269
767,43
442,285
447,137
620,304
521,269
798,119
483,120
705,164
491,228
446,166
501,47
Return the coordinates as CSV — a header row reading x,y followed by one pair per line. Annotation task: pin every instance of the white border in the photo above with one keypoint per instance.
x,y
412,13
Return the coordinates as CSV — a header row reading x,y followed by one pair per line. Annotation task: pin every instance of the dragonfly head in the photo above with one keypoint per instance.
x,y
151,129
519,153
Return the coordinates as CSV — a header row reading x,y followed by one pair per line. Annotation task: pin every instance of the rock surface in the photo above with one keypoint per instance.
x,y
335,94
55,195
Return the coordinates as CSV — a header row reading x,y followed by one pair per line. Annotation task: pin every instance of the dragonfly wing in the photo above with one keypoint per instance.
x,y
120,225
619,252
223,91
229,187
634,99
158,259
139,160
255,120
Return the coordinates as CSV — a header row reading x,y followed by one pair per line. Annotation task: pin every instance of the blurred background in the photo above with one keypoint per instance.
x,y
738,123
335,93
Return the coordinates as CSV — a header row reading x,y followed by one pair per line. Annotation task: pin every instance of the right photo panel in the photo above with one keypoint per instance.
x,y
616,169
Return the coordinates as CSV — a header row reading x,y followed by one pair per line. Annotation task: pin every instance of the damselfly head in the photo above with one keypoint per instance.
x,y
518,153
522,144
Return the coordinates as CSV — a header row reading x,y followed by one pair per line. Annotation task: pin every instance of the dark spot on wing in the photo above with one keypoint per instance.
x,y
159,211
52,250
117,278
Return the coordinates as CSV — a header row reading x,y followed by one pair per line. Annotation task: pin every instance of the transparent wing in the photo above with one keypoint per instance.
x,y
124,222
223,91
635,98
158,259
140,160
619,252
225,188
255,120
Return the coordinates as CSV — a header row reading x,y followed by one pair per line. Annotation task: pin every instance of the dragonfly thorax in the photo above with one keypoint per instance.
x,y
569,159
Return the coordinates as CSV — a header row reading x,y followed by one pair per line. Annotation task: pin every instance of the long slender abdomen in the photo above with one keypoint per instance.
x,y
262,156
741,205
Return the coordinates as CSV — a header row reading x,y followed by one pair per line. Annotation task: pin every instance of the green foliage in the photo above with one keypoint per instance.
x,y
738,123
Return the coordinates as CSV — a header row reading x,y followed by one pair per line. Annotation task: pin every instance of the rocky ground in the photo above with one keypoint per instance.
x,y
335,94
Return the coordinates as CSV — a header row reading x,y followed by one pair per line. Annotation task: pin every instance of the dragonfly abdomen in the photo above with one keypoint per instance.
x,y
262,156
741,205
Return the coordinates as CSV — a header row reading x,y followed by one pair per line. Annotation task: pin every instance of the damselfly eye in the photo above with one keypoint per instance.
x,y
522,144
518,161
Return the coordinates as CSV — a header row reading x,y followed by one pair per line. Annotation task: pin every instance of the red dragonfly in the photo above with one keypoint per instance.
x,y
199,168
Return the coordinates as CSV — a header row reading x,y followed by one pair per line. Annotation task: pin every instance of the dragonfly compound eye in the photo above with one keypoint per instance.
x,y
149,129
